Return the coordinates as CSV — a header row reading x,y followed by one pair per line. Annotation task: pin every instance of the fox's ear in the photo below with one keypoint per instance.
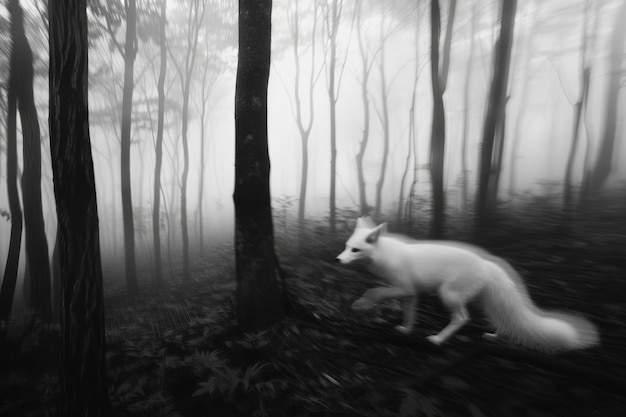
x,y
375,234
365,222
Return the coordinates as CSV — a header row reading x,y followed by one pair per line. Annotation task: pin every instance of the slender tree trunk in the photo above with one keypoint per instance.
x,y
599,173
365,72
7,292
36,244
196,16
183,185
259,299
495,111
82,380
384,119
130,52
438,132
303,128
525,56
333,28
156,189
466,107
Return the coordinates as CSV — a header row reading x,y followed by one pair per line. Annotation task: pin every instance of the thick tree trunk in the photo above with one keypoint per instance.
x,y
494,115
36,244
438,132
127,108
156,189
82,381
259,299
7,292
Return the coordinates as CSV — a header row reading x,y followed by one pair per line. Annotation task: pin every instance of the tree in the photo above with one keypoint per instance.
x,y
259,299
596,177
156,190
383,114
439,79
36,244
366,67
588,41
83,384
194,21
494,116
11,268
332,19
466,105
303,128
130,52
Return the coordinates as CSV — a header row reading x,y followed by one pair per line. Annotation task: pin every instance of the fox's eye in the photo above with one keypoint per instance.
x,y
356,250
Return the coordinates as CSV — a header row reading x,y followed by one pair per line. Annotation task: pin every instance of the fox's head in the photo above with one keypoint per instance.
x,y
362,241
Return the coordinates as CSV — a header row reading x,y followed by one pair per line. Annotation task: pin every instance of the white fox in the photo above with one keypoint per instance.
x,y
460,273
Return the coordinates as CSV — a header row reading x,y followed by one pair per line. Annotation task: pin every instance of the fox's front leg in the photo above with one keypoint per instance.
x,y
373,295
408,300
408,310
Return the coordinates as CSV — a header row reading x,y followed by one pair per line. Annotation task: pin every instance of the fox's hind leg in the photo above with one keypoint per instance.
x,y
455,294
460,317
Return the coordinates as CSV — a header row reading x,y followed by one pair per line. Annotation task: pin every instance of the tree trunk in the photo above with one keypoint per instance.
x,y
130,52
494,115
259,299
466,105
7,292
384,119
438,132
365,72
333,29
82,381
36,244
156,189
599,173
303,128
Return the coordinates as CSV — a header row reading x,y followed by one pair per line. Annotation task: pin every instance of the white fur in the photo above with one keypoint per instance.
x,y
461,273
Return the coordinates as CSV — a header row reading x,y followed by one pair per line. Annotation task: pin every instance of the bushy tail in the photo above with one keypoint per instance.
x,y
509,308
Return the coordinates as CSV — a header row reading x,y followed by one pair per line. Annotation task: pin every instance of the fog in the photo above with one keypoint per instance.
x,y
543,87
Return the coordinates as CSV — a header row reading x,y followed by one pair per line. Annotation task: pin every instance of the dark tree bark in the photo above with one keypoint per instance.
x,y
599,173
156,189
438,131
495,113
7,291
259,299
36,244
130,51
82,381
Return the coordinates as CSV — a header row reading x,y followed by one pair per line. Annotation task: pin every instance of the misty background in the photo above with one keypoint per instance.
x,y
393,39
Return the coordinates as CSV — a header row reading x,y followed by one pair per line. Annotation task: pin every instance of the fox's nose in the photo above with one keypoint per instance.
x,y
337,260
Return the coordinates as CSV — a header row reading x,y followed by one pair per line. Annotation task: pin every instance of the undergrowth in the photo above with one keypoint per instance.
x,y
179,351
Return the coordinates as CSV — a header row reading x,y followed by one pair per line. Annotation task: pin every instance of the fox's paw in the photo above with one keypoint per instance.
x,y
403,329
434,339
491,336
362,304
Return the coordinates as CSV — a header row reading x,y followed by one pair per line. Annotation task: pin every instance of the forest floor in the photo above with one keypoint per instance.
x,y
179,352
